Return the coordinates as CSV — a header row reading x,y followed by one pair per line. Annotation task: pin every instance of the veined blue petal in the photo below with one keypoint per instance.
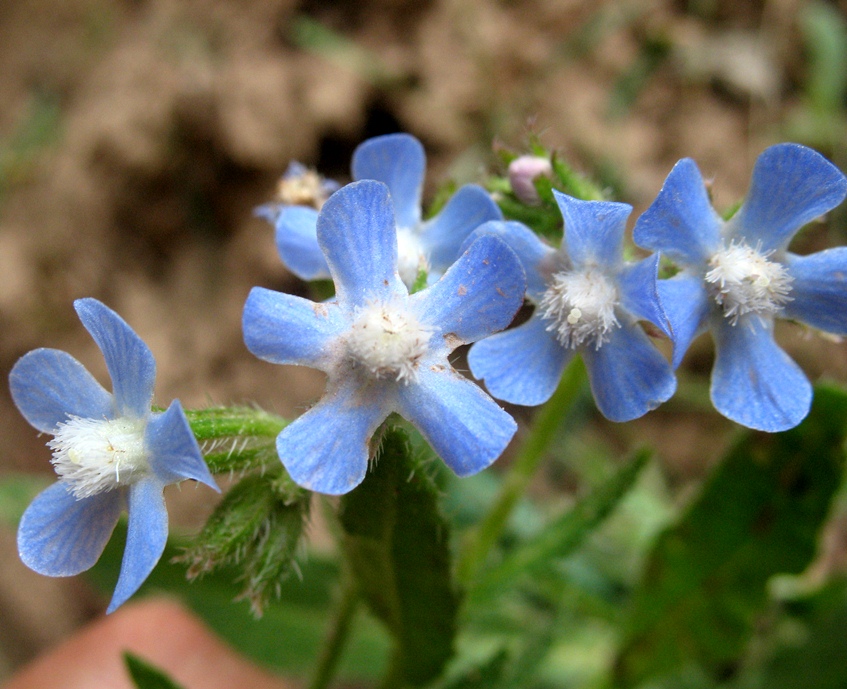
x,y
147,533
49,385
443,236
754,382
791,186
128,358
681,222
358,237
326,449
61,536
522,365
628,375
464,426
639,292
687,305
819,290
287,329
297,242
399,161
532,252
478,295
593,230
174,454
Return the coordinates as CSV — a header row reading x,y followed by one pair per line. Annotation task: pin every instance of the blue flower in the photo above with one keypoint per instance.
x,y
109,451
737,276
299,186
398,160
384,350
587,300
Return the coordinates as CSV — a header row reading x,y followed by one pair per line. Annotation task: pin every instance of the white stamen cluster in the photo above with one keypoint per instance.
x,y
304,189
580,306
742,280
388,341
411,258
96,455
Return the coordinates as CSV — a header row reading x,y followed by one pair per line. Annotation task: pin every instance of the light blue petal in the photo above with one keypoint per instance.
x,y
60,536
147,533
443,236
174,454
593,230
536,257
791,186
269,211
681,222
49,385
479,294
287,329
128,358
297,242
628,375
687,305
754,382
522,365
358,237
464,426
819,290
639,292
399,161
326,449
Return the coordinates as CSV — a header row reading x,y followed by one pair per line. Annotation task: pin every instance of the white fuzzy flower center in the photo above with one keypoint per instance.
x,y
580,306
742,280
388,341
410,256
96,455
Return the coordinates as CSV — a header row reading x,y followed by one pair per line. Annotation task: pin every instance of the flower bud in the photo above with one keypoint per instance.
x,y
523,172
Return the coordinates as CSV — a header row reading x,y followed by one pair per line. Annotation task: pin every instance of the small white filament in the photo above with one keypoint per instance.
x,y
411,258
580,306
96,455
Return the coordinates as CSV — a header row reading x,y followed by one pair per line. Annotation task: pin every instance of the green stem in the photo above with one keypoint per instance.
x,y
520,473
339,631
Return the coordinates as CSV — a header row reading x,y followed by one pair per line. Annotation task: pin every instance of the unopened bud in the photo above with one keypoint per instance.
x,y
523,171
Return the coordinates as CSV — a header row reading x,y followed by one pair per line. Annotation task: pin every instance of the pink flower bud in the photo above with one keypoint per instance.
x,y
522,174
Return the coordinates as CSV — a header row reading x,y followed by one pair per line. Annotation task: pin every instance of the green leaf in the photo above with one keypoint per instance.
x,y
561,537
396,542
146,676
758,515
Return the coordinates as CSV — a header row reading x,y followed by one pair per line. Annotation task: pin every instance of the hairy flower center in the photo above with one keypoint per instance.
x,y
95,455
580,306
411,258
388,341
742,280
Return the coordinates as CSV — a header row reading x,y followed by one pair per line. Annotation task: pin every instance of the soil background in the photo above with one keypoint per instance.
x,y
136,137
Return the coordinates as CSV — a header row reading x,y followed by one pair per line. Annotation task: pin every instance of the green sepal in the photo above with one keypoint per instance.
x,y
146,676
397,547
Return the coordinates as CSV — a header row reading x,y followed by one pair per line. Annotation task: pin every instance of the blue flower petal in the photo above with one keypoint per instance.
x,y
529,382
357,234
399,161
128,358
442,237
628,375
287,329
791,186
326,449
478,295
147,533
819,290
593,230
687,305
754,382
61,536
639,292
174,454
297,242
681,222
49,385
530,250
464,426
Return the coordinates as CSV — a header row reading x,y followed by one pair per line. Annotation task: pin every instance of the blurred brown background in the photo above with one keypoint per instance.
x,y
136,136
